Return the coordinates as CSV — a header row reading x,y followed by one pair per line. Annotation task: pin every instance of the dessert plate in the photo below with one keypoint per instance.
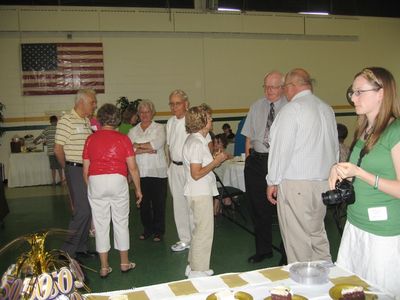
x,y
238,296
294,297
336,292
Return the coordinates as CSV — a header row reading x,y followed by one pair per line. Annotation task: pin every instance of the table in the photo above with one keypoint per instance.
x,y
234,174
256,283
26,169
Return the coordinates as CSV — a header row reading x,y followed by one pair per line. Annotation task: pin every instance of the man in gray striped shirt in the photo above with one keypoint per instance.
x,y
72,131
304,146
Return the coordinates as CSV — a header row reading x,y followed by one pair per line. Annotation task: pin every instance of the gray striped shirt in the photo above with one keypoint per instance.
x,y
72,132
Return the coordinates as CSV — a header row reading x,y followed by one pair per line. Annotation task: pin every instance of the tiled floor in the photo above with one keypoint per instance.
x,y
37,208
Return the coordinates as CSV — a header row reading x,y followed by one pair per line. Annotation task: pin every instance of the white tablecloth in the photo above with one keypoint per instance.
x,y
256,283
26,169
234,174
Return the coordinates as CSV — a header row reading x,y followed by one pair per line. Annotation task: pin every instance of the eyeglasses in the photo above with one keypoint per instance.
x,y
359,92
271,87
174,104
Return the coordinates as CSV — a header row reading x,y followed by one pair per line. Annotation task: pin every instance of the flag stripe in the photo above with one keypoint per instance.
x,y
61,83
63,68
80,61
28,78
69,87
77,52
77,45
54,92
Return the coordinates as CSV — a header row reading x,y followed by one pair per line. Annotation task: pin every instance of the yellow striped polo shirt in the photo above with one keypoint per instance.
x,y
71,133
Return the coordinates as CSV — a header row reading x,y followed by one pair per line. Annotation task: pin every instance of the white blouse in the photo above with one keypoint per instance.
x,y
196,151
150,165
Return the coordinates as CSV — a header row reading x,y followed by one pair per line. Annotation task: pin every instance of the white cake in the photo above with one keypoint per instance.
x,y
225,295
353,293
281,293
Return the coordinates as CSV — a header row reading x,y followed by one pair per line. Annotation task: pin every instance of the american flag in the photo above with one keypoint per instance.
x,y
62,68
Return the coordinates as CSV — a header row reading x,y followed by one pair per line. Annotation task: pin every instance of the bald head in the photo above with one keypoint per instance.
x,y
296,81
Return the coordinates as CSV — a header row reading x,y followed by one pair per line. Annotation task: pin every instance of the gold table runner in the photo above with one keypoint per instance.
x,y
275,274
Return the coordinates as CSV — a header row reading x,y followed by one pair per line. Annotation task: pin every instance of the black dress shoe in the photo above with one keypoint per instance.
x,y
256,258
87,254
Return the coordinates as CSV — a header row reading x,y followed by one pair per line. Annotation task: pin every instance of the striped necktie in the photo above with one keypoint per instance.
x,y
270,119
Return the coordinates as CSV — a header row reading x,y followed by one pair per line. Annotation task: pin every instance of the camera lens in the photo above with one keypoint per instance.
x,y
331,197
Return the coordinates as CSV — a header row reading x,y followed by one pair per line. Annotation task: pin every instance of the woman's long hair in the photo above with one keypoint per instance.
x,y
390,106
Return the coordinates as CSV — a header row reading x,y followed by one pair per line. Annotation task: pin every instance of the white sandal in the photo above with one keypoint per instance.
x,y
130,266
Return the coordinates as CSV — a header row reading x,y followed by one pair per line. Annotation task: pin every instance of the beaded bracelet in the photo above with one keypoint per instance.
x,y
376,182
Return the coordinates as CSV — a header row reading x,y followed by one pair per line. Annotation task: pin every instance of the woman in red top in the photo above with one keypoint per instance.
x,y
106,155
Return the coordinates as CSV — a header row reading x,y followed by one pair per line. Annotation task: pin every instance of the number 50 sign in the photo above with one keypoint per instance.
x,y
47,286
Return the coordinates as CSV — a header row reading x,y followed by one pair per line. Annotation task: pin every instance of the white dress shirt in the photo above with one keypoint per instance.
x,y
176,136
196,151
150,164
304,141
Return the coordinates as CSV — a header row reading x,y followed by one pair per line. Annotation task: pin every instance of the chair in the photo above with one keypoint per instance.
x,y
229,211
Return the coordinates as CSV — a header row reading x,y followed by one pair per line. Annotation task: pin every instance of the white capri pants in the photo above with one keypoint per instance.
x,y
109,199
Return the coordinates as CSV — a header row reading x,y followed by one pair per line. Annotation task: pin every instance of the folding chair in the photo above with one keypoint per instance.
x,y
233,194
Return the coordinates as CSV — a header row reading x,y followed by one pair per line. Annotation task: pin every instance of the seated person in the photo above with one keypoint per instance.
x,y
240,139
343,148
228,133
220,142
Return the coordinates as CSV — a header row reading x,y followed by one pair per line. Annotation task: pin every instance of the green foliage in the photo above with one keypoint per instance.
x,y
123,103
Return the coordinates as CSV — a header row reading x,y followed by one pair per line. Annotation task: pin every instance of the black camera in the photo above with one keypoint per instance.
x,y
344,192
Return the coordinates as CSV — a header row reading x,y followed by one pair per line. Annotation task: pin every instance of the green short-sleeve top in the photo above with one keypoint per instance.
x,y
379,162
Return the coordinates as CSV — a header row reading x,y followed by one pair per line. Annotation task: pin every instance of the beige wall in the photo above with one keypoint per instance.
x,y
216,58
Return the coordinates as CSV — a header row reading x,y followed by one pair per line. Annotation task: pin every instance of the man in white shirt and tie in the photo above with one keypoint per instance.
x,y
304,146
256,129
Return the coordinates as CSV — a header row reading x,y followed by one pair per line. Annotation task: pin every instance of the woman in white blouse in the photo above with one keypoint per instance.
x,y
200,187
148,139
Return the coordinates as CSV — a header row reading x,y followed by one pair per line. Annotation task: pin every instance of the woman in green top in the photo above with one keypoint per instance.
x,y
129,117
370,245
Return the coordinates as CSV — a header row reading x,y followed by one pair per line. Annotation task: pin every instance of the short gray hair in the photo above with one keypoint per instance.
x,y
181,94
82,93
147,104
109,114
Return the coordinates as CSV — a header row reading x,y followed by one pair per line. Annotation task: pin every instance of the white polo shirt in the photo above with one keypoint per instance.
x,y
196,151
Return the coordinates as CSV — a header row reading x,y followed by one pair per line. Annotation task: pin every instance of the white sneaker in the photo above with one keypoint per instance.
x,y
198,274
209,272
179,246
188,270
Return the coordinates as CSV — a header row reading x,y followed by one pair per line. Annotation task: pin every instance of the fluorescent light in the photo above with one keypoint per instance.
x,y
319,13
227,9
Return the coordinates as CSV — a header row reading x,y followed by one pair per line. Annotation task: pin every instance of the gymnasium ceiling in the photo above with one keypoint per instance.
x,y
378,8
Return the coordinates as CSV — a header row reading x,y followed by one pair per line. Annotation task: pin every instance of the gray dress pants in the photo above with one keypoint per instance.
x,y
79,224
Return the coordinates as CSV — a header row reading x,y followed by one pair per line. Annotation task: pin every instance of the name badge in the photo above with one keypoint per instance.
x,y
79,129
377,213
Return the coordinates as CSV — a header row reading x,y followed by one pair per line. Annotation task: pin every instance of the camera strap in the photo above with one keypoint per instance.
x,y
362,154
